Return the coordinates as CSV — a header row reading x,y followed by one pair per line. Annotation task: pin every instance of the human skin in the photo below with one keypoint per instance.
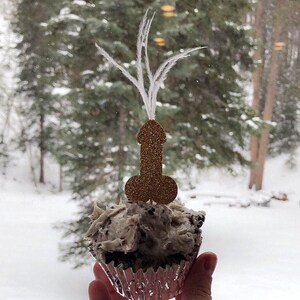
x,y
197,286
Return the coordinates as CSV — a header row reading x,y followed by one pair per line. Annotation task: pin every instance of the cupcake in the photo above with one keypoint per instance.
x,y
145,249
147,244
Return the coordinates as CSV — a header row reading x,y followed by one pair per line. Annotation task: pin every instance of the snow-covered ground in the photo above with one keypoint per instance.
x,y
258,247
29,266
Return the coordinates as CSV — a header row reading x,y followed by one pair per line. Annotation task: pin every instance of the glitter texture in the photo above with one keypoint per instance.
x,y
151,184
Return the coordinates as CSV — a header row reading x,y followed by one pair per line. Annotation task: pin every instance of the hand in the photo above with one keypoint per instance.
x,y
197,286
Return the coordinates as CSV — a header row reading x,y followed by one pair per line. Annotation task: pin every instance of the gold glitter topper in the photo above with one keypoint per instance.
x,y
150,184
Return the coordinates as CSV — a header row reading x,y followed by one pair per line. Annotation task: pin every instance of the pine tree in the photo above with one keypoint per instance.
x,y
285,136
201,107
36,75
7,84
278,93
207,87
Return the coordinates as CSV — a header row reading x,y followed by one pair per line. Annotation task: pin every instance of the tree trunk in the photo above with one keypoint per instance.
x,y
60,184
256,78
42,149
268,108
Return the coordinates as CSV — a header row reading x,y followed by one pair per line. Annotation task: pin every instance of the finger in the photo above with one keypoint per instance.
x,y
198,283
98,291
99,273
101,276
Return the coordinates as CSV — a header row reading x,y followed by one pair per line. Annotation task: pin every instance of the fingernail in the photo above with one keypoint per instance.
x,y
210,264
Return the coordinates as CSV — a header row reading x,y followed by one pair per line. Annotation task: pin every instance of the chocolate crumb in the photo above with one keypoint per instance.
x,y
151,210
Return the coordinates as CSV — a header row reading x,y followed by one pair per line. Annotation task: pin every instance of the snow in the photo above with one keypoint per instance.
x,y
29,245
65,53
79,2
258,247
62,91
252,124
87,72
65,15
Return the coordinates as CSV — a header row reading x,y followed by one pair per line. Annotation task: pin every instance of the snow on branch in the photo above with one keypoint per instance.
x,y
156,80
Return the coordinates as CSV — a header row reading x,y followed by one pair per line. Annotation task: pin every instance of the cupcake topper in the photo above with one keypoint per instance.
x,y
150,184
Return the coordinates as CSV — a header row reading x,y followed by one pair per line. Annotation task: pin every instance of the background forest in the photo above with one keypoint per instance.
x,y
234,103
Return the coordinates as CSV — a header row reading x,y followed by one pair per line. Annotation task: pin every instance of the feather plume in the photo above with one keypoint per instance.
x,y
139,52
162,72
149,73
127,75
156,80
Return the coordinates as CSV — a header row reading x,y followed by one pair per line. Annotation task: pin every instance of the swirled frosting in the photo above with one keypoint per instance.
x,y
144,235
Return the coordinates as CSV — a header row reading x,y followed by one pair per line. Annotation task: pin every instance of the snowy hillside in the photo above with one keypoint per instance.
x,y
258,247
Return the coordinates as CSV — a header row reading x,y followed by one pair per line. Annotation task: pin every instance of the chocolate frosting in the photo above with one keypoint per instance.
x,y
143,235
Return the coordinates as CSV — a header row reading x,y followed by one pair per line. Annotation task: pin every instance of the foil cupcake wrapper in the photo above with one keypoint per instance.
x,y
165,283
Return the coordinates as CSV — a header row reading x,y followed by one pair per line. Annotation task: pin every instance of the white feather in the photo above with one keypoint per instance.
x,y
161,74
112,61
139,64
156,80
147,63
126,74
150,76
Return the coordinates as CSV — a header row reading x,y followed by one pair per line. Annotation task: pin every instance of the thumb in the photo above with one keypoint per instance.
x,y
198,283
98,291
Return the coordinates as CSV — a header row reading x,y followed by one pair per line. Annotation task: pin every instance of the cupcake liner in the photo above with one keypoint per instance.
x,y
164,283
